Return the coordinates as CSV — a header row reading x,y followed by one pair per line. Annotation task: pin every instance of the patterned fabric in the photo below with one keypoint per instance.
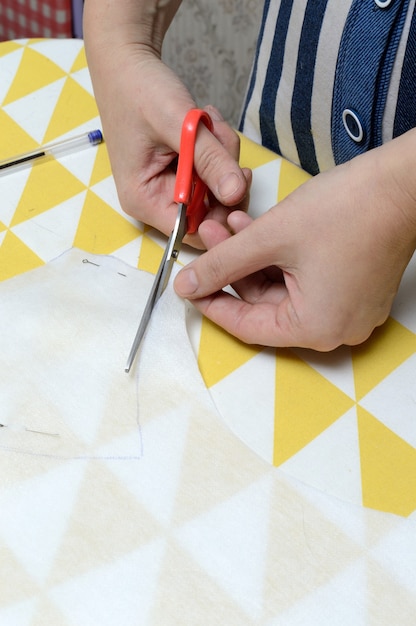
x,y
331,78
35,18
201,529
331,420
211,46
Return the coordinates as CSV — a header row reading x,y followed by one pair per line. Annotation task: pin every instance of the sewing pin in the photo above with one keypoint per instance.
x,y
39,432
90,262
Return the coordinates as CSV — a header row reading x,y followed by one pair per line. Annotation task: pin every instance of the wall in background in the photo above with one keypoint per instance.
x,y
211,46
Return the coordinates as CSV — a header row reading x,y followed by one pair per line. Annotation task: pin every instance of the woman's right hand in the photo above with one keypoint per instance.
x,y
142,104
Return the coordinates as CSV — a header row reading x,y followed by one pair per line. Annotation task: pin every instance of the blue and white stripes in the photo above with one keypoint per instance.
x,y
332,78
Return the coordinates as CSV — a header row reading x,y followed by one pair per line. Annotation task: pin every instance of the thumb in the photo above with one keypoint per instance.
x,y
246,252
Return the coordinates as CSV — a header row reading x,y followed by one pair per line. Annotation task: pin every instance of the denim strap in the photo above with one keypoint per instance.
x,y
368,48
406,103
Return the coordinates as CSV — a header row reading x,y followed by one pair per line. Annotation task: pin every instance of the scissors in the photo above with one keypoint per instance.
x,y
189,193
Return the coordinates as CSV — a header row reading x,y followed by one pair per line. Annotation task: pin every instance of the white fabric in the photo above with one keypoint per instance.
x,y
188,526
66,331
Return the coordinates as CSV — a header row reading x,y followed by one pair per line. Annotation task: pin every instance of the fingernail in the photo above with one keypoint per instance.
x,y
186,282
214,113
228,185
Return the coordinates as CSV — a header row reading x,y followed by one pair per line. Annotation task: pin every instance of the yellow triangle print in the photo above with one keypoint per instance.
x,y
101,230
150,255
35,72
66,117
80,62
290,178
16,257
388,347
306,404
220,353
2,227
102,167
13,140
388,467
48,185
253,155
9,46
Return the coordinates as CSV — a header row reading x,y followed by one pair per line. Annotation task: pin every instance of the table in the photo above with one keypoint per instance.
x,y
246,512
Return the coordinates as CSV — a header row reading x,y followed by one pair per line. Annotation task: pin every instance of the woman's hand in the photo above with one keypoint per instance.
x,y
321,268
142,105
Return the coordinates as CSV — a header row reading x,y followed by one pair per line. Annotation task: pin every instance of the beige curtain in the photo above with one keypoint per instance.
x,y
211,45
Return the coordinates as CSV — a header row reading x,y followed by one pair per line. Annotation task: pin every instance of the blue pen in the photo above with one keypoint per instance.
x,y
59,148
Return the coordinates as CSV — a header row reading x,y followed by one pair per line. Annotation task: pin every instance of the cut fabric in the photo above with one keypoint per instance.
x,y
158,509
63,386
162,509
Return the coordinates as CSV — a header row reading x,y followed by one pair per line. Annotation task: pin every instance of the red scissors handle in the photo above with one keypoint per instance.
x,y
189,188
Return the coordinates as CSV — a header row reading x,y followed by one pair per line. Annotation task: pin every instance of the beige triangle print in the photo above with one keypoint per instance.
x,y
193,597
46,612
98,511
20,584
312,528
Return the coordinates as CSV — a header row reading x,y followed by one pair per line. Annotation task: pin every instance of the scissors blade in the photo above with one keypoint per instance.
x,y
173,247
161,280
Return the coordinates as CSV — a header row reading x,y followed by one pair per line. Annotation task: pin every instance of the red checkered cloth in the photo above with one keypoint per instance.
x,y
35,18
